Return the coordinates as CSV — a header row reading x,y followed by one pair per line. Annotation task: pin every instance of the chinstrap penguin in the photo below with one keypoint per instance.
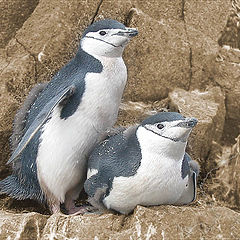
x,y
61,121
145,164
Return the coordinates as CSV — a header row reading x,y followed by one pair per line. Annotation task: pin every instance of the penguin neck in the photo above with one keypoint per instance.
x,y
99,53
88,62
157,145
101,61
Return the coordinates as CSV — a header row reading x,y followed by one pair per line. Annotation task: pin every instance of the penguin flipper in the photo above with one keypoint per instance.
x,y
190,192
21,115
96,192
41,119
194,166
96,200
190,168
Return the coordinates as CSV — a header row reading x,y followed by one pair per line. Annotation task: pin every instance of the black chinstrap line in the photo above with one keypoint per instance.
x,y
172,139
103,41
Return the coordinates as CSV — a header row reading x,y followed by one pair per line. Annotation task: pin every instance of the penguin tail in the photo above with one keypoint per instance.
x,y
13,187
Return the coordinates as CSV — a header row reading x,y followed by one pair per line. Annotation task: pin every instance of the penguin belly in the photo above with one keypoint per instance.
x,y
156,182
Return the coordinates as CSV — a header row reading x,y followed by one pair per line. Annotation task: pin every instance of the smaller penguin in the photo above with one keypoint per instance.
x,y
144,165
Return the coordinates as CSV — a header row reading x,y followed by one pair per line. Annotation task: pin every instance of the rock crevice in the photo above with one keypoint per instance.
x,y
97,10
33,57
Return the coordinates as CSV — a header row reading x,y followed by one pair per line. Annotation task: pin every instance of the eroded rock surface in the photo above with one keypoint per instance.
x,y
228,78
176,44
21,226
225,185
167,222
12,16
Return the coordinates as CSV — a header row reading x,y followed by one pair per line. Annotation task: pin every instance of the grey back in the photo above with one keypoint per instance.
x,y
119,155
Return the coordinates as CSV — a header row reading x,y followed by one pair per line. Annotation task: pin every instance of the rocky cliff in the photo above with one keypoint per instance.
x,y
186,58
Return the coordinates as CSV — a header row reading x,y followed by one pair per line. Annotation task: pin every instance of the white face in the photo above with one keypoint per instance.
x,y
177,131
107,42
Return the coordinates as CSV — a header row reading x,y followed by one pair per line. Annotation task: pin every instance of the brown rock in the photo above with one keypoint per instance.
x,y
225,186
176,46
204,21
208,107
21,226
43,44
230,35
12,16
228,77
145,223
4,144
156,57
131,113
157,60
149,223
171,222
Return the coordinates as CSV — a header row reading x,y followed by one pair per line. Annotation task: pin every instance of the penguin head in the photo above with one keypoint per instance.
x,y
106,38
170,125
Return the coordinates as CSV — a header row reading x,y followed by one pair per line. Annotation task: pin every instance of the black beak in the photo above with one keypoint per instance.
x,y
129,32
188,123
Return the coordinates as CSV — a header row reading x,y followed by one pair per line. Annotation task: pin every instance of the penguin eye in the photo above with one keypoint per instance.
x,y
102,33
160,126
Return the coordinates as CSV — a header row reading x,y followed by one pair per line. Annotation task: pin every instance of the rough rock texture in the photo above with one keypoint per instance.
x,y
26,226
226,184
230,36
203,29
12,16
228,78
134,112
208,107
194,222
176,63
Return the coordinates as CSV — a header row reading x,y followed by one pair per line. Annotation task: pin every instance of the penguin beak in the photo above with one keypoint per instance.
x,y
188,123
128,32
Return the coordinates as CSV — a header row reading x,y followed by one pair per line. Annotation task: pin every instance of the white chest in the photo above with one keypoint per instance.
x,y
103,93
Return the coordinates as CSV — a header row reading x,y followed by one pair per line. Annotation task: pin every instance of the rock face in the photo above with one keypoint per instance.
x,y
227,77
226,184
26,226
145,223
178,62
177,42
12,16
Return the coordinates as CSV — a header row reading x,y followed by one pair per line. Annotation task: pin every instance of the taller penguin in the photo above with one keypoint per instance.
x,y
66,118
